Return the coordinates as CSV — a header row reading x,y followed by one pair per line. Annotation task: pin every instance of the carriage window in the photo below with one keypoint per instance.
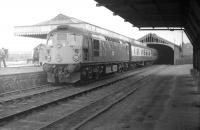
x,y
96,44
96,48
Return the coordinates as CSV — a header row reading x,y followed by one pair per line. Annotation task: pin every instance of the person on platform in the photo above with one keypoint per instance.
x,y
3,56
36,56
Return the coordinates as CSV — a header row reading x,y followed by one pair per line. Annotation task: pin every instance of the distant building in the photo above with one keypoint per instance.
x,y
175,55
168,52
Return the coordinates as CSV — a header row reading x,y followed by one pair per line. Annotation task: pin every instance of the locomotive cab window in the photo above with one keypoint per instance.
x,y
50,40
96,47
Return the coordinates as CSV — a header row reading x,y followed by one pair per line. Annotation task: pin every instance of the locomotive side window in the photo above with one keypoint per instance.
x,y
96,48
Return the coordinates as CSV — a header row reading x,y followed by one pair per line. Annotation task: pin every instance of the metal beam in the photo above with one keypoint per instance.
x,y
146,14
108,4
161,29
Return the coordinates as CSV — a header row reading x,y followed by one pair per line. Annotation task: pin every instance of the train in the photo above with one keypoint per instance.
x,y
78,54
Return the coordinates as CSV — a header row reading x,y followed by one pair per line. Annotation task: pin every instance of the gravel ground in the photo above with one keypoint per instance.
x,y
167,101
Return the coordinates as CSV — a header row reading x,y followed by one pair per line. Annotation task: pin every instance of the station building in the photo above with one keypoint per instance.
x,y
187,50
168,52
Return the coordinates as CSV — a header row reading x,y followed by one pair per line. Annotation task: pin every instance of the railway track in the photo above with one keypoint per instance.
x,y
52,108
23,90
19,95
76,119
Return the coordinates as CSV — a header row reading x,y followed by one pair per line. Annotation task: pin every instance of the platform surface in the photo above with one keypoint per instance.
x,y
18,70
169,100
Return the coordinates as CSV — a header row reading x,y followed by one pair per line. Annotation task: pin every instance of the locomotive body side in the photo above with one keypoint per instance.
x,y
102,55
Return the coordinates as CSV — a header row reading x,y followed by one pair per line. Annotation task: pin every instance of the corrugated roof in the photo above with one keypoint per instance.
x,y
60,19
155,36
41,30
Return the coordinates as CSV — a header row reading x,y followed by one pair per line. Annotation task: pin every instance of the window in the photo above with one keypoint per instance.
x,y
62,37
137,51
50,42
96,48
71,38
142,53
96,44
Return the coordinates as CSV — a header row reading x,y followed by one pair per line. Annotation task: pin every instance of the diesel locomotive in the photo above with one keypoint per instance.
x,y
76,53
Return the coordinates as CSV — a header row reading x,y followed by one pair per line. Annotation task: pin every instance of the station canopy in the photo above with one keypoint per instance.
x,y
42,29
159,15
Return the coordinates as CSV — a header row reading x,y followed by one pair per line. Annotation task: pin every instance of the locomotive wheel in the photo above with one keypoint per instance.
x,y
96,72
84,75
101,71
125,66
120,68
90,73
96,75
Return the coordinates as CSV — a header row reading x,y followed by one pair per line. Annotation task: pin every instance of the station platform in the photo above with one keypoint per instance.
x,y
168,100
19,78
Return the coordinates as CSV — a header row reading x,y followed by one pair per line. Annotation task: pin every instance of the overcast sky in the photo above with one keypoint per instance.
x,y
30,12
